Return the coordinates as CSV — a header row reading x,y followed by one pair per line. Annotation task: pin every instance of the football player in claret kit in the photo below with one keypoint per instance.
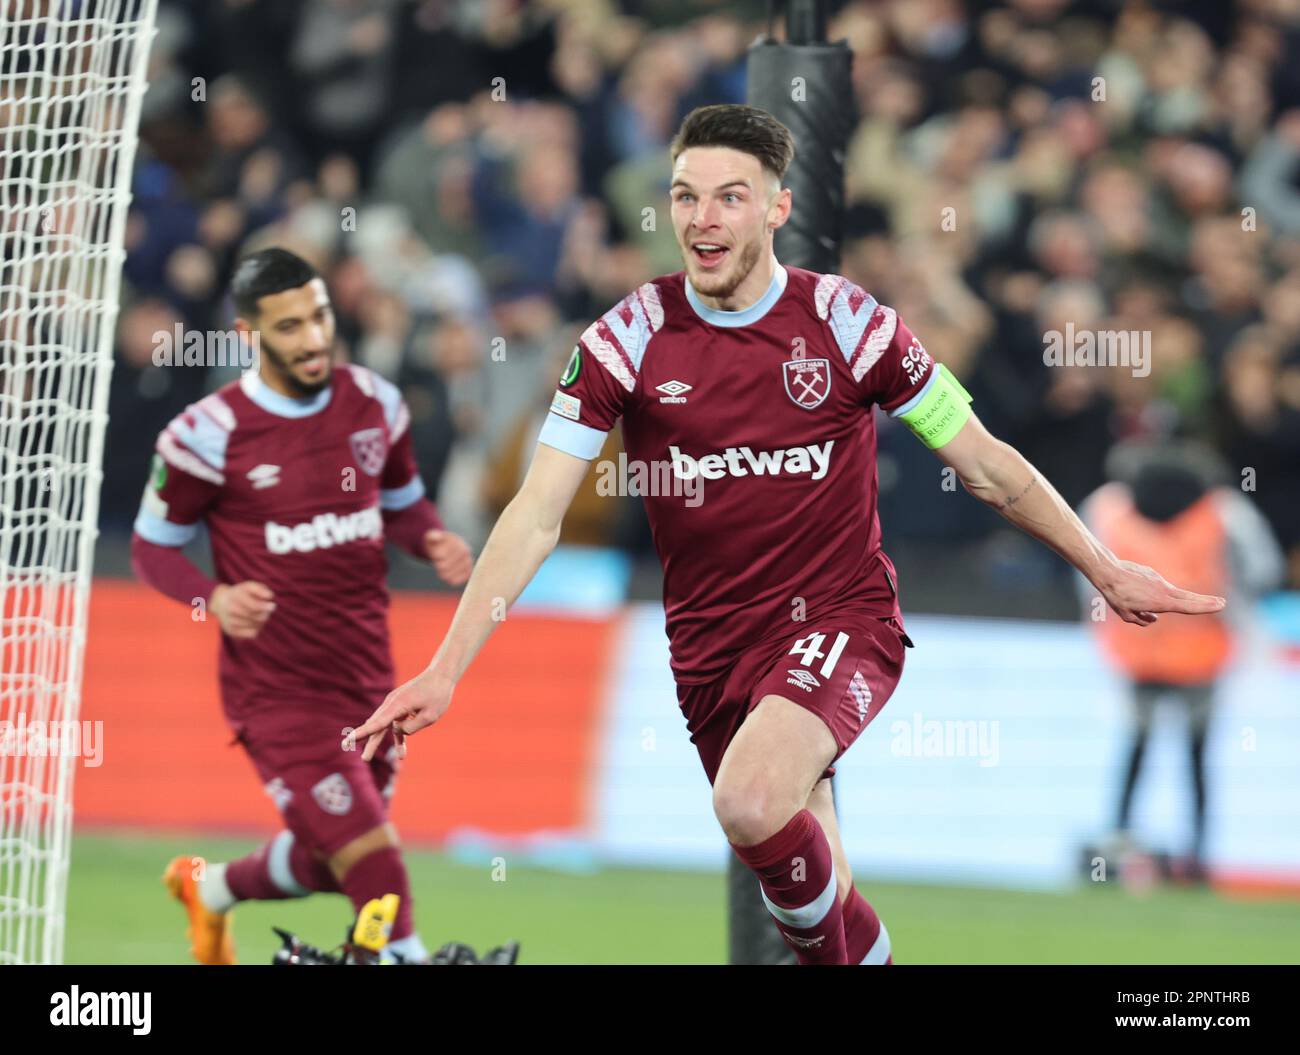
x,y
755,383
300,471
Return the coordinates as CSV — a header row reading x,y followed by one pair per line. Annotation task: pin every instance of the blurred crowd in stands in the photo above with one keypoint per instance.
x,y
472,179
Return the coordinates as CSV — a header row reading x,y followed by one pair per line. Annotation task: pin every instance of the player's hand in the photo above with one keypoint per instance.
x,y
408,709
242,609
1137,593
450,556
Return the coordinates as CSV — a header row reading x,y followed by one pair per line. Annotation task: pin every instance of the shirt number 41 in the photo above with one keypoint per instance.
x,y
809,650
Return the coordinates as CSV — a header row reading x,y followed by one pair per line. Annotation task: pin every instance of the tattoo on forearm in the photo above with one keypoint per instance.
x,y
1033,482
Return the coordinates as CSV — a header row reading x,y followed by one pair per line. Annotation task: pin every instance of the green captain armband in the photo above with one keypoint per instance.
x,y
937,413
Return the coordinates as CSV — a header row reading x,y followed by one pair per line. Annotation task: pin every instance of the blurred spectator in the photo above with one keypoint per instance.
x,y
142,399
1166,511
342,62
1262,430
593,519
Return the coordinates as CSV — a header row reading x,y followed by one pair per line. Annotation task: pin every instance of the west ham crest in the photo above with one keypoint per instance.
x,y
807,381
333,794
370,450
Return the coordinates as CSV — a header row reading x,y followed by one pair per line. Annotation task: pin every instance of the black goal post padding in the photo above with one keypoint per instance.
x,y
806,83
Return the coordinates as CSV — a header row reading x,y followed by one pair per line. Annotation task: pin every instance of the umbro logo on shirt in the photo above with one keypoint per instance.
x,y
261,476
673,391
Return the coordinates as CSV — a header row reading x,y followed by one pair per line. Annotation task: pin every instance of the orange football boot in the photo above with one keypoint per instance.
x,y
209,932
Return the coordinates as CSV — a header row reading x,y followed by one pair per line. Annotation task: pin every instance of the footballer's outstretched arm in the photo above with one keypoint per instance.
x,y
1000,476
524,536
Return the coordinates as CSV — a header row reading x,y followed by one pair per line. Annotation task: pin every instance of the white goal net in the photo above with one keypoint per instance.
x,y
72,73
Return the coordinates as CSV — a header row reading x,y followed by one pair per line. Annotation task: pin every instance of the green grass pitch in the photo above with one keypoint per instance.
x,y
119,913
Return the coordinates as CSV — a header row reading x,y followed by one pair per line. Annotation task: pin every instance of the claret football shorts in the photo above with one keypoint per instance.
x,y
843,669
327,795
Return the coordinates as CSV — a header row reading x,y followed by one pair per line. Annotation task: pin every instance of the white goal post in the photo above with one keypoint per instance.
x,y
72,75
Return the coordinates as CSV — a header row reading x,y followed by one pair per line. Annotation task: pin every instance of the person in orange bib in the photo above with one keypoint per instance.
x,y
1168,515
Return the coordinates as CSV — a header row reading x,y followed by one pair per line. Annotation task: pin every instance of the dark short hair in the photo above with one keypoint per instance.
x,y
264,273
745,128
